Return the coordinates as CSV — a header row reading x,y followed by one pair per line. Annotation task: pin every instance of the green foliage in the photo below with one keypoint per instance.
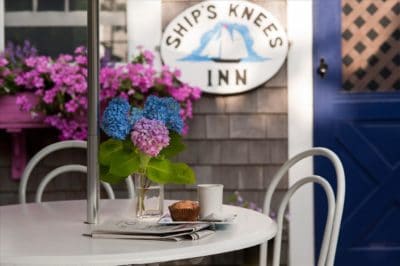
x,y
164,171
182,174
106,176
175,146
124,163
107,149
159,171
119,159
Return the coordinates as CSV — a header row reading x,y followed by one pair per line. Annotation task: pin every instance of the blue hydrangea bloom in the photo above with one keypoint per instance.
x,y
155,109
165,110
116,122
136,115
175,123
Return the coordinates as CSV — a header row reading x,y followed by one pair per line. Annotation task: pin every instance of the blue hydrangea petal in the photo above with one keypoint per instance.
x,y
175,123
165,110
155,109
136,115
116,119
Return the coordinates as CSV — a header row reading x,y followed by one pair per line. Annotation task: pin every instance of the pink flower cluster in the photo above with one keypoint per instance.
x,y
4,71
150,136
70,128
61,87
34,76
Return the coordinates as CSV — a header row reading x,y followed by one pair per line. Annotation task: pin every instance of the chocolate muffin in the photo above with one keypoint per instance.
x,y
184,210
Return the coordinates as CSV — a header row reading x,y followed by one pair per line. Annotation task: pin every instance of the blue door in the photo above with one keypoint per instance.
x,y
357,115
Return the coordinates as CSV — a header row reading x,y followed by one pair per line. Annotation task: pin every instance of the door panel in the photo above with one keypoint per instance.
x,y
357,114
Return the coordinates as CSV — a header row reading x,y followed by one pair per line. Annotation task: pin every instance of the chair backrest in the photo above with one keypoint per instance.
x,y
60,170
332,227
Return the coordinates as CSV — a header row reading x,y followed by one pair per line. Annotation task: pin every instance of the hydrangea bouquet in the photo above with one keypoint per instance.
x,y
142,142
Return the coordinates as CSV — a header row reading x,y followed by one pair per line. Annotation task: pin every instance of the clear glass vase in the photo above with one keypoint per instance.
x,y
149,197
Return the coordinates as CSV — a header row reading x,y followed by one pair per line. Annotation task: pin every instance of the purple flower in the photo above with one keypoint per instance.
x,y
71,106
80,50
80,59
69,129
3,62
49,96
23,103
30,62
150,136
196,93
148,57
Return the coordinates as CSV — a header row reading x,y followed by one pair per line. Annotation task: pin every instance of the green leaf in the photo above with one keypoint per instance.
x,y
138,96
163,171
106,176
159,171
182,174
175,146
128,145
124,163
107,149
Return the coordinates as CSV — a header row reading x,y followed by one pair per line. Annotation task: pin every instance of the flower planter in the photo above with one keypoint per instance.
x,y
14,122
12,119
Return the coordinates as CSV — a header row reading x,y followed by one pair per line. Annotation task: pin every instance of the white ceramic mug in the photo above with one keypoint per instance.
x,y
210,199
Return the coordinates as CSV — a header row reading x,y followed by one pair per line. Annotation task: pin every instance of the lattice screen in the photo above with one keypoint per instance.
x,y
371,45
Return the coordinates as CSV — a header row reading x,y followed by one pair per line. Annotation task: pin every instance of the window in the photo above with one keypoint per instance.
x,y
78,5
49,40
58,26
19,5
51,5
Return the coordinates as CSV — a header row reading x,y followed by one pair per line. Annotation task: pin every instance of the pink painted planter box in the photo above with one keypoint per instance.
x,y
14,121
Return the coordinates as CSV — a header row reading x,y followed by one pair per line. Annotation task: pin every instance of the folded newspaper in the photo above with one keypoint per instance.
x,y
135,229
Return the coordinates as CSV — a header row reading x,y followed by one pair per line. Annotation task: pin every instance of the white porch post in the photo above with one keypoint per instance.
x,y
144,25
300,119
2,35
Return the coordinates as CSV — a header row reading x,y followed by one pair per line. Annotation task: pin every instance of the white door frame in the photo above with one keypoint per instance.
x,y
300,127
2,37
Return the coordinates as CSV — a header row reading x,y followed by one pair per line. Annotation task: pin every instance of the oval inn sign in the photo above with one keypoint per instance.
x,y
225,47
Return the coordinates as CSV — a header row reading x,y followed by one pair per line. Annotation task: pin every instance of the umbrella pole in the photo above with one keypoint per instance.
x,y
93,183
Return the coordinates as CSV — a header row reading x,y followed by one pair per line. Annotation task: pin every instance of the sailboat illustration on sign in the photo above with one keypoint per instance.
x,y
226,48
225,43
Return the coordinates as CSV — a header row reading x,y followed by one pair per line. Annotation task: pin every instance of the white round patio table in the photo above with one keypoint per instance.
x,y
51,233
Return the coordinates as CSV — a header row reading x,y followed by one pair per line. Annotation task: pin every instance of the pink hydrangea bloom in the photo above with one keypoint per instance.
x,y
150,136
